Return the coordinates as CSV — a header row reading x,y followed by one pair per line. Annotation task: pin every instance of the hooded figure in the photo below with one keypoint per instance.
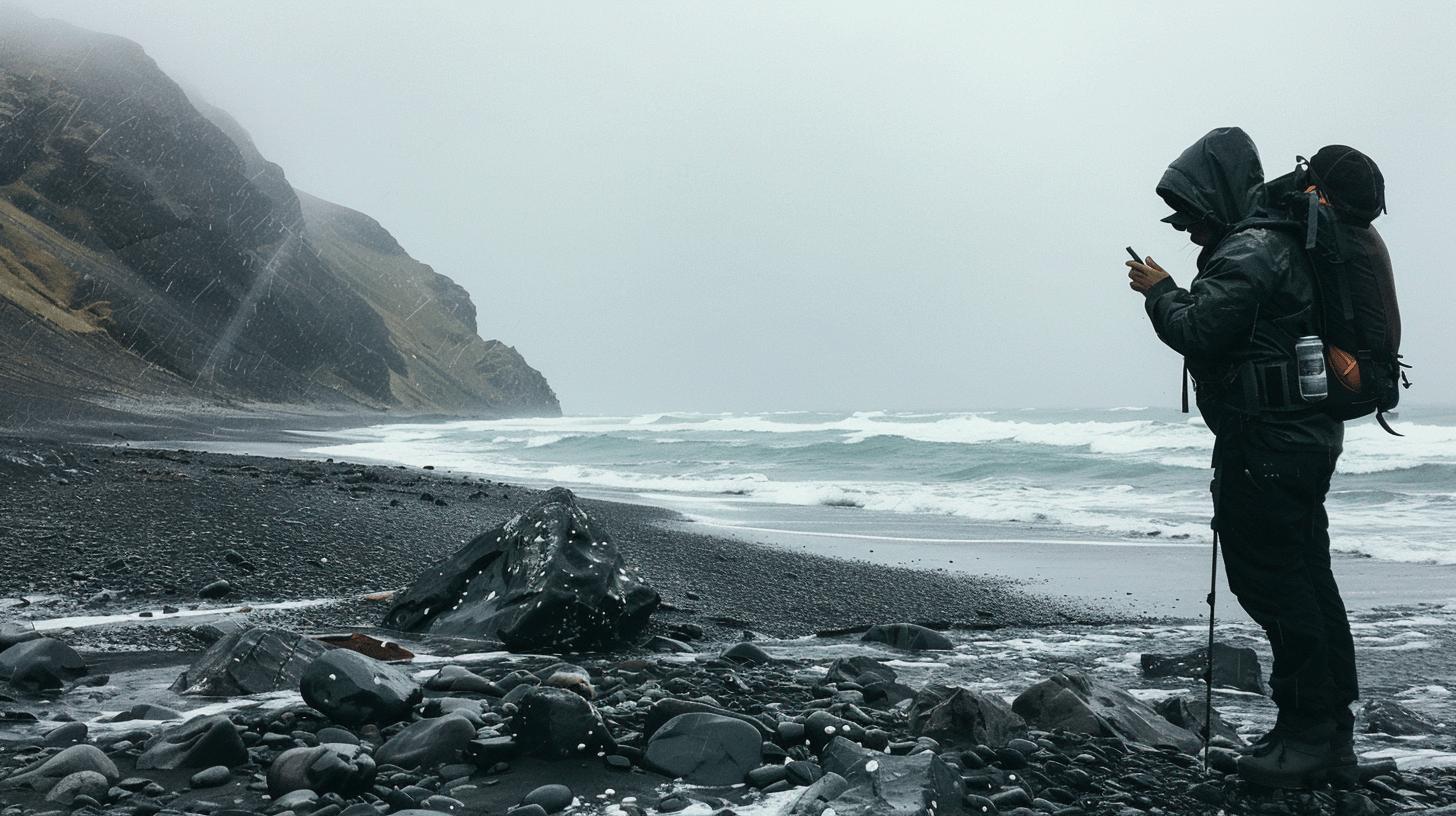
x,y
1236,326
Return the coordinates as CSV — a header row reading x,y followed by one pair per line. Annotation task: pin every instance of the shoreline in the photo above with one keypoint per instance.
x,y
294,529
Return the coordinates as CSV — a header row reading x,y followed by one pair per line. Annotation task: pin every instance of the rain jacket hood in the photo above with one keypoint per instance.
x,y
1217,179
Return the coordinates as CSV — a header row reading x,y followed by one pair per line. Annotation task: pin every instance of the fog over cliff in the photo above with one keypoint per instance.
x,y
819,205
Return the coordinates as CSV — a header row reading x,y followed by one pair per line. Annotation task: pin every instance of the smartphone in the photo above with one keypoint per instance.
x,y
1135,256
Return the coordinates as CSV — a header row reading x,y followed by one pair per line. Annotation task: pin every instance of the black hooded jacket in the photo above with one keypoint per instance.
x,y
1252,298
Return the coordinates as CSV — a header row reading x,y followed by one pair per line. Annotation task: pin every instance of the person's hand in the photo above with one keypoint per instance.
x,y
1144,275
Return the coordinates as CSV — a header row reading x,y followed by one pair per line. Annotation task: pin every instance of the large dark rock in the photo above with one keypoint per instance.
x,y
1387,717
1188,713
1074,701
250,661
705,749
40,664
200,743
953,715
909,636
1233,667
668,707
330,768
428,743
353,689
859,669
891,785
549,579
44,774
554,723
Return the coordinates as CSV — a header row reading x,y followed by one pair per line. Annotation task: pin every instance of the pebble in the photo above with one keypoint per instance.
x,y
211,777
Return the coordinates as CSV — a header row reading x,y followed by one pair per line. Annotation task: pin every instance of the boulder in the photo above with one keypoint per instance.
x,y
891,785
1386,717
705,749
80,783
329,768
429,743
668,707
554,723
40,664
43,775
950,715
1187,713
549,580
910,636
1233,667
745,652
71,733
859,670
552,798
352,689
200,743
1073,701
250,661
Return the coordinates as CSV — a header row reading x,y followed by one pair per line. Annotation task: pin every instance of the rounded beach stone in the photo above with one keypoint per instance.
x,y
428,743
551,798
80,783
69,734
40,664
705,749
330,768
211,777
746,652
43,775
353,689
200,743
910,636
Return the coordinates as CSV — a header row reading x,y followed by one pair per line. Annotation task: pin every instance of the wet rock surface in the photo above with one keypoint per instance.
x,y
550,578
1075,701
1233,667
250,661
353,689
40,664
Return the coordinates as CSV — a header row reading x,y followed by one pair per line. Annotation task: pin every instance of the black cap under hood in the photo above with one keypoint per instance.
x,y
1216,180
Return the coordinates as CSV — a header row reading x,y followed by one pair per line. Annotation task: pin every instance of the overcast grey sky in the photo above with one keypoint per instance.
x,y
746,206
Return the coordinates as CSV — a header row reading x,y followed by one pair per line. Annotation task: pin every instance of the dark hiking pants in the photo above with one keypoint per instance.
x,y
1276,551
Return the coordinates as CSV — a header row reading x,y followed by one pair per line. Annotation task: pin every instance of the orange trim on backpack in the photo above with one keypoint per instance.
x,y
1312,188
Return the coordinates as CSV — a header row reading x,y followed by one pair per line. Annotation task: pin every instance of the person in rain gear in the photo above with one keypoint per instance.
x,y
1236,326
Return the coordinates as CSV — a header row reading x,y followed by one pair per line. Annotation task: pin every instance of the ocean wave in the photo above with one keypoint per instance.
x,y
1127,477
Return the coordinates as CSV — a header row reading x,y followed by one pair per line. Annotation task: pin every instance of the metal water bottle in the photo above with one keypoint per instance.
x,y
1309,352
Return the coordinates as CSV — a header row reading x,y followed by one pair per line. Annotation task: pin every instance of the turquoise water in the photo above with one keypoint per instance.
x,y
1125,473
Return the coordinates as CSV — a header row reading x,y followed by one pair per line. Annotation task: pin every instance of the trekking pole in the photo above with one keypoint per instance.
x,y
1212,608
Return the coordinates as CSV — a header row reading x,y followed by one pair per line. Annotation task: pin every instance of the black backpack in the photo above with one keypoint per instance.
x,y
1329,202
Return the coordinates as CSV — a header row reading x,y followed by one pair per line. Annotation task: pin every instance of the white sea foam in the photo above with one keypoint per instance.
x,y
1126,477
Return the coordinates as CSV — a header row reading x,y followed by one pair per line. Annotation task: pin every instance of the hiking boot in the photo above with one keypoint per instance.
x,y
1287,762
1258,743
1344,764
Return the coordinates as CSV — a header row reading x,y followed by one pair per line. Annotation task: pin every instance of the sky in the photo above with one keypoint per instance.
x,y
751,206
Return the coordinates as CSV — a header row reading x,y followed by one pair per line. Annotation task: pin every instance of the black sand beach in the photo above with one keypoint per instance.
x,y
94,537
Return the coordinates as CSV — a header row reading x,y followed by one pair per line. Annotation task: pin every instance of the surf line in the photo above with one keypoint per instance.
x,y
1088,542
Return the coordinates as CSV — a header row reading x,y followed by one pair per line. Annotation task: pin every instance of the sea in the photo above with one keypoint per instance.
x,y
1110,474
